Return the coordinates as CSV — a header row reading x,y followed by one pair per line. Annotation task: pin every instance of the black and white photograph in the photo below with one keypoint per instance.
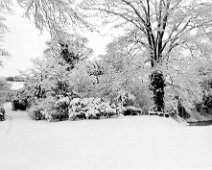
x,y
105,84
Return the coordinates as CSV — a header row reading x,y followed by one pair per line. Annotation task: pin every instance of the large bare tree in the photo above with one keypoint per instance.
x,y
161,24
158,26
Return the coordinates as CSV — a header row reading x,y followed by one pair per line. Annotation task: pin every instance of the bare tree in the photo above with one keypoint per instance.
x,y
159,26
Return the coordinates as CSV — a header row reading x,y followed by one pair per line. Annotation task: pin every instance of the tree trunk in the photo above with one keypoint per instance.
x,y
157,80
157,86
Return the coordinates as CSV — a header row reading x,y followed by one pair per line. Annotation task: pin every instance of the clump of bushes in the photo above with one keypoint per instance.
x,y
73,107
90,108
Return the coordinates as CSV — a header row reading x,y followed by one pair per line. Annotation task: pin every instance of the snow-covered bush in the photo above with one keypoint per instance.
x,y
107,110
20,99
125,98
55,108
52,107
171,107
82,109
2,113
125,103
77,109
205,106
132,110
90,108
35,113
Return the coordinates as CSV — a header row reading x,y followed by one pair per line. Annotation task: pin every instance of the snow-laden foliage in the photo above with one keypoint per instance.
x,y
125,98
35,113
90,108
205,106
4,8
55,107
81,82
124,70
20,99
183,84
72,107
157,26
126,103
53,74
53,15
4,90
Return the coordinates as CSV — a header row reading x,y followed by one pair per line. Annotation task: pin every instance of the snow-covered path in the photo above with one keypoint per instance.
x,y
124,143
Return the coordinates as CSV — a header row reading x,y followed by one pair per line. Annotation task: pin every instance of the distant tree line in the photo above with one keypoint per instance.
x,y
15,79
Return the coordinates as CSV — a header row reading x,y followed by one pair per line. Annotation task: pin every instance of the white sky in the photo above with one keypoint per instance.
x,y
25,42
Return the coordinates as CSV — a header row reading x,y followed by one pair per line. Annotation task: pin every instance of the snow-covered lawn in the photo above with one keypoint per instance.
x,y
140,142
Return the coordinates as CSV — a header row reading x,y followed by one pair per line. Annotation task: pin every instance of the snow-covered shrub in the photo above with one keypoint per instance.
x,y
125,98
19,104
35,113
132,110
20,99
77,108
55,108
107,110
52,107
205,106
2,113
125,103
171,107
90,108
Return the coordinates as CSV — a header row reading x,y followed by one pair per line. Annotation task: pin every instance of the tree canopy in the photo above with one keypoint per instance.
x,y
4,8
159,26
54,15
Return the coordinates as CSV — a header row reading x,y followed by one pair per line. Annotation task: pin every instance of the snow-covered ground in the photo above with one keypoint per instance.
x,y
140,142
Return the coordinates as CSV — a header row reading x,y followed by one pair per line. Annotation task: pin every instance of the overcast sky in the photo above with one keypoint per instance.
x,y
25,42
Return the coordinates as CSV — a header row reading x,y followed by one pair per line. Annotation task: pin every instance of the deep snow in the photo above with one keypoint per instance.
x,y
140,142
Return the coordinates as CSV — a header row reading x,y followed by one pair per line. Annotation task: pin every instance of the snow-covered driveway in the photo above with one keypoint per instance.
x,y
124,143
